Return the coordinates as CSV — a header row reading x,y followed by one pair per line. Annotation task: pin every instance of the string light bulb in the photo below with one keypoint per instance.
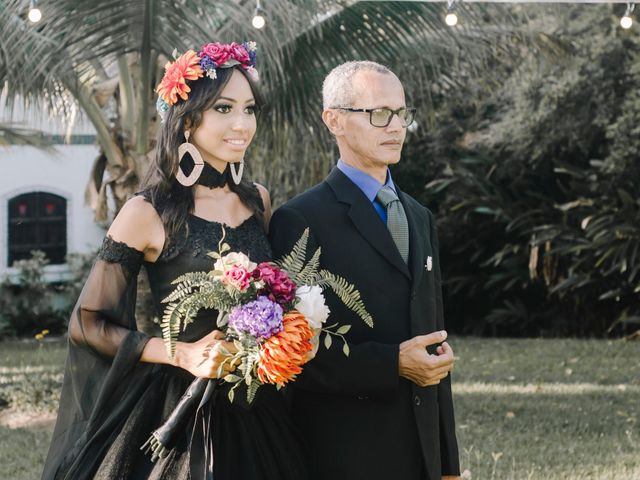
x,y
258,17
451,19
35,15
626,21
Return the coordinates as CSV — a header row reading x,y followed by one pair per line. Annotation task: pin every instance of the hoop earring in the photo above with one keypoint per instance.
x,y
237,176
190,148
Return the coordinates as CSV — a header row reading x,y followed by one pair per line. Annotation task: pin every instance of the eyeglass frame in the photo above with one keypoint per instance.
x,y
370,111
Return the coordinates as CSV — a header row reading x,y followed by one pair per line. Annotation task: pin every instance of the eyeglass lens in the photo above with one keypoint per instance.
x,y
381,117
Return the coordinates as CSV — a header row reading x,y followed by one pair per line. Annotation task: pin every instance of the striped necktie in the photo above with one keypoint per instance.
x,y
396,220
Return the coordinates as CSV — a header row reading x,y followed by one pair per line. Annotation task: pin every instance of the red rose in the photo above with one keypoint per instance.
x,y
239,53
217,52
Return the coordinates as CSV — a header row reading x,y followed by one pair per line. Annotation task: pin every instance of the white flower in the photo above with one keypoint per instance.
x,y
310,303
234,258
253,73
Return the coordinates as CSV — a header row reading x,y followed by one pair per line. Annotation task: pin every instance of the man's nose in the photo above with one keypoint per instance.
x,y
395,124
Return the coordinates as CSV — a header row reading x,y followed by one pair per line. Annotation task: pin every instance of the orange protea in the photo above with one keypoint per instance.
x,y
174,82
283,354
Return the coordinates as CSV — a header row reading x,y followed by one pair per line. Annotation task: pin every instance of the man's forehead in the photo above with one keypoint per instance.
x,y
381,87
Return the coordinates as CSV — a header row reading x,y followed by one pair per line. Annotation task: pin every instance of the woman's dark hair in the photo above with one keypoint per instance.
x,y
172,200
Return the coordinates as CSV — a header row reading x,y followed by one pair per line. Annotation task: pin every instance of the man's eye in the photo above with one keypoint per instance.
x,y
222,108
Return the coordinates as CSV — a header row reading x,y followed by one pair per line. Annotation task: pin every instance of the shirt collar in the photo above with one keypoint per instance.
x,y
365,182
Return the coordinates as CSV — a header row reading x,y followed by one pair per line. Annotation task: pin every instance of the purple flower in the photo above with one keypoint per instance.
x,y
206,63
261,318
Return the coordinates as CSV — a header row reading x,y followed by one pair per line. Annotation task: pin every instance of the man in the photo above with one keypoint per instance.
x,y
385,411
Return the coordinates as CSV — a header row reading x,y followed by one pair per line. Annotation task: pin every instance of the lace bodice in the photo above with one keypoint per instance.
x,y
189,254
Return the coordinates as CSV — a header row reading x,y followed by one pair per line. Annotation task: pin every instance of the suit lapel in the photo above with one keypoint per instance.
x,y
416,240
366,219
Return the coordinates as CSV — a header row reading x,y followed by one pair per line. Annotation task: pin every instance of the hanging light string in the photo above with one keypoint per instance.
x,y
258,17
626,21
451,19
35,15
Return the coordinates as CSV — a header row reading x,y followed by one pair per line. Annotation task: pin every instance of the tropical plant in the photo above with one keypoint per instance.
x,y
106,58
536,188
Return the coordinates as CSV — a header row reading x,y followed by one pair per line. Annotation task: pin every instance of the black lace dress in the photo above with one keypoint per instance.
x,y
111,402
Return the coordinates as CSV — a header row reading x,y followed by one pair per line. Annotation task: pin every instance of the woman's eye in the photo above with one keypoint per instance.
x,y
251,110
222,108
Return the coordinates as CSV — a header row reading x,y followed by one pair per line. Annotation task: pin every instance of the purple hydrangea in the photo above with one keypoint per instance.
x,y
261,318
206,63
252,53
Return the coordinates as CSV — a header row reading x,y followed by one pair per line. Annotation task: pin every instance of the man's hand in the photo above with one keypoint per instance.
x,y
419,366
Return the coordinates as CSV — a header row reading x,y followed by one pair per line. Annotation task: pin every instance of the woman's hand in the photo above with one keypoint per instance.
x,y
209,357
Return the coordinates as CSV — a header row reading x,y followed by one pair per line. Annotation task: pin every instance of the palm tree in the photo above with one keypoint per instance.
x,y
106,58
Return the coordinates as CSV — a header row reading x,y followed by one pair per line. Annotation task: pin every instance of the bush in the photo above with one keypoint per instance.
x,y
27,300
535,189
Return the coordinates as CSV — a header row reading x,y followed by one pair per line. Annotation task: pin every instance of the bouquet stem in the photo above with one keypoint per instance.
x,y
161,439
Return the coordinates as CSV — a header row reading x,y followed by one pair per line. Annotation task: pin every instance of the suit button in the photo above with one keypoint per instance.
x,y
363,397
413,295
417,400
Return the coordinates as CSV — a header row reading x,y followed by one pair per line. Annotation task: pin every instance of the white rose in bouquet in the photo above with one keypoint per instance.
x,y
237,259
310,302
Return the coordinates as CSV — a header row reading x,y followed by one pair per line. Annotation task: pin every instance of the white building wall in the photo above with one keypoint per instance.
x,y
65,172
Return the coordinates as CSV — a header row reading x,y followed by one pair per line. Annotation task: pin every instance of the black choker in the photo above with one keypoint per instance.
x,y
212,178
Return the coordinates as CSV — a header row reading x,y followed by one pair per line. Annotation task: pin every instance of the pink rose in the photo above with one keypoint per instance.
x,y
279,287
217,52
238,277
239,53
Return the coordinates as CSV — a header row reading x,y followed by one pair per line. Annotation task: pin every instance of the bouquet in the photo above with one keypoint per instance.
x,y
274,312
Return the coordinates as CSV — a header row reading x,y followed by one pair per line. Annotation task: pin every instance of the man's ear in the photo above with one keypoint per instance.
x,y
332,119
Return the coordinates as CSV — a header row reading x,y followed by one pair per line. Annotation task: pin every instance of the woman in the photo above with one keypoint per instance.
x,y
120,384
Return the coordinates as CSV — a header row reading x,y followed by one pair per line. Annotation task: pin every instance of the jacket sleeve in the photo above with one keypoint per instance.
x,y
371,369
448,442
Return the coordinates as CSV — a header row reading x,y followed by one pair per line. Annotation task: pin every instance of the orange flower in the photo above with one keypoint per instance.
x,y
174,82
283,354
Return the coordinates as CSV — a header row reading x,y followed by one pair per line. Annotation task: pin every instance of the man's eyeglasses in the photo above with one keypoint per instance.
x,y
381,117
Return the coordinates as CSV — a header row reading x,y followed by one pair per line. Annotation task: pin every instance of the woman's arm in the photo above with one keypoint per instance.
x,y
104,315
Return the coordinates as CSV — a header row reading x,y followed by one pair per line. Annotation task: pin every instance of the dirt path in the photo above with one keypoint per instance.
x,y
17,419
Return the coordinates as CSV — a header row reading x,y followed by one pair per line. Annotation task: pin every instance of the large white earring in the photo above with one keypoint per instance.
x,y
198,163
237,176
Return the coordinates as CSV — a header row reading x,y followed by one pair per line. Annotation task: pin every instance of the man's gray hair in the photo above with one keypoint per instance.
x,y
337,88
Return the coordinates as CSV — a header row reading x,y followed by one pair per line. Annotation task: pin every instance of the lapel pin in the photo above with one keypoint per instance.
x,y
429,264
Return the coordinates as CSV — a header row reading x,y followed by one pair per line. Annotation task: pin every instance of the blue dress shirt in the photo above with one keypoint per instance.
x,y
369,186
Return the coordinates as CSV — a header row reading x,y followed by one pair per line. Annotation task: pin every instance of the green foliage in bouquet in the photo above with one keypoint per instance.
x,y
200,290
308,274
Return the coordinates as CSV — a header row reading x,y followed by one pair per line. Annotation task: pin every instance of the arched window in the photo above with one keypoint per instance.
x,y
38,221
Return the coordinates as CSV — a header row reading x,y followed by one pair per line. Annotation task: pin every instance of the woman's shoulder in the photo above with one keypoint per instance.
x,y
266,202
264,193
139,226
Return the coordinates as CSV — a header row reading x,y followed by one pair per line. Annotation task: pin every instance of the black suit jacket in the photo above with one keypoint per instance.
x,y
360,418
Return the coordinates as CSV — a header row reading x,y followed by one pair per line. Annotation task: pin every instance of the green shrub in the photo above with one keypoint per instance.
x,y
535,187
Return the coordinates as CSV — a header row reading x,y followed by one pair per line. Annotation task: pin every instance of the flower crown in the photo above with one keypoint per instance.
x,y
192,66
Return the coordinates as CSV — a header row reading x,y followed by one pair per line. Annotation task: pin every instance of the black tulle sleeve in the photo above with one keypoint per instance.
x,y
103,375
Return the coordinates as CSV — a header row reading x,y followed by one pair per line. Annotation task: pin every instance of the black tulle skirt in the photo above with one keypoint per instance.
x,y
250,442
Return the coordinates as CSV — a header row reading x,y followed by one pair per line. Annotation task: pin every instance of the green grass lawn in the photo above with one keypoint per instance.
x,y
526,409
